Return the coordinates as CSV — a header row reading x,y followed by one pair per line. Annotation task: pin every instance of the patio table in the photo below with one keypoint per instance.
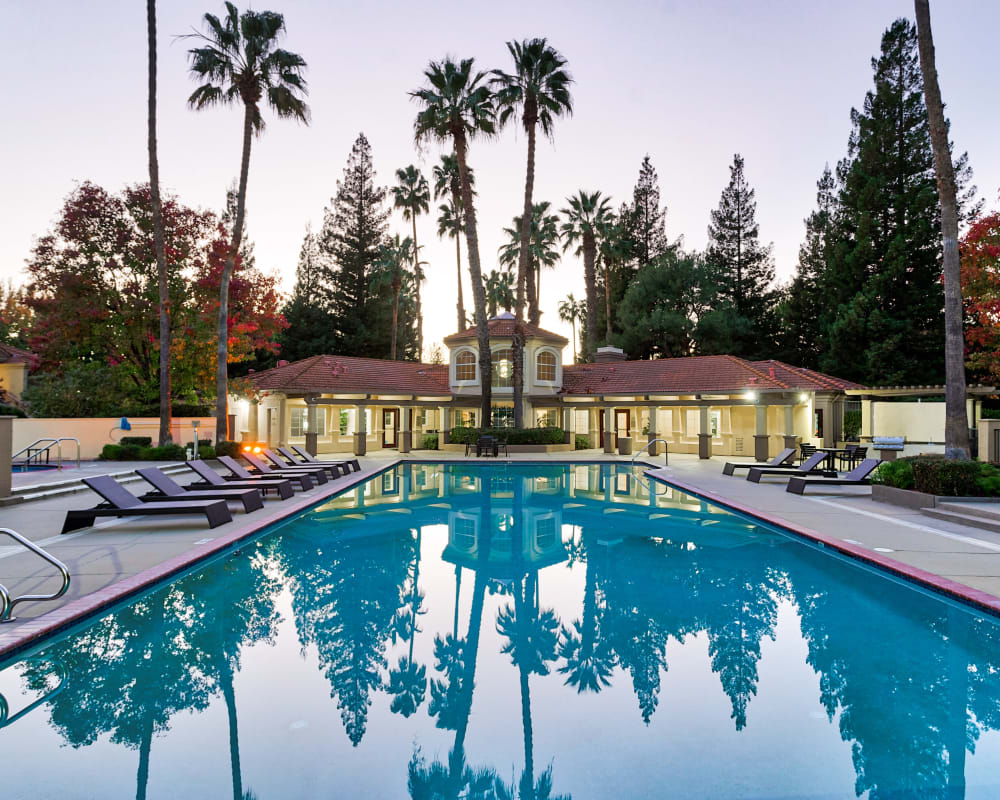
x,y
831,455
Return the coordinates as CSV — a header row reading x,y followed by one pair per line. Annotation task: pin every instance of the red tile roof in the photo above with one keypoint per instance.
x,y
501,327
802,378
348,375
15,355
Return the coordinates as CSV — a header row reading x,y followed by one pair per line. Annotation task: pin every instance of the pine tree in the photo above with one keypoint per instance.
x,y
311,328
354,229
646,220
885,324
741,267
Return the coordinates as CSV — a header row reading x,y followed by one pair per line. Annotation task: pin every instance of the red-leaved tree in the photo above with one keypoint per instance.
x,y
980,255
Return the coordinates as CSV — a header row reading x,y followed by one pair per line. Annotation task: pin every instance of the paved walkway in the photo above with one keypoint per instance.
x,y
118,550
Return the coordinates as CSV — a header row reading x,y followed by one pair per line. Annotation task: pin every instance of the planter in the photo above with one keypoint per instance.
x,y
911,499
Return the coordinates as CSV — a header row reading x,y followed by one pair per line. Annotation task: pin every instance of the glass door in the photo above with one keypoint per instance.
x,y
390,424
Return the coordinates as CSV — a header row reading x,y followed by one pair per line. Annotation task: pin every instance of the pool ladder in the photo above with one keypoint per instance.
x,y
6,602
649,487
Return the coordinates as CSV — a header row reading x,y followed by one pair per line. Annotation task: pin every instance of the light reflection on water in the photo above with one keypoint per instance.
x,y
514,631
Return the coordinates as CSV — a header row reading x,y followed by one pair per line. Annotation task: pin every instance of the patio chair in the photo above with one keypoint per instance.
x,y
805,451
847,457
209,477
120,502
239,473
811,466
784,460
318,474
859,455
487,444
353,463
168,489
333,469
859,476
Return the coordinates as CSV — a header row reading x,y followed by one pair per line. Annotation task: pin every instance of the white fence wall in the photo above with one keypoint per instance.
x,y
94,433
918,422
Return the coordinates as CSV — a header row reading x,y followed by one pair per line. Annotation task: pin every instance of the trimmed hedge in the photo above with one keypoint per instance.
x,y
581,442
205,450
464,435
138,441
227,448
132,452
12,411
937,476
430,441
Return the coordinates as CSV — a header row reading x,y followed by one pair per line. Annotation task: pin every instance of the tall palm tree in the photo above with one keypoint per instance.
x,y
412,194
583,221
456,106
613,250
571,310
956,426
499,291
393,255
538,92
240,62
159,246
542,252
447,184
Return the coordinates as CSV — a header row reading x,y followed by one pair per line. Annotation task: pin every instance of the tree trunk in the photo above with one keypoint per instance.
x,y
395,320
478,291
590,279
573,323
222,354
458,262
159,247
530,287
607,303
417,278
234,730
956,426
522,268
145,746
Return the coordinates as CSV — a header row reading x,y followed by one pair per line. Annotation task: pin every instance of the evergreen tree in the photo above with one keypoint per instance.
x,y
311,329
354,229
741,267
646,220
885,324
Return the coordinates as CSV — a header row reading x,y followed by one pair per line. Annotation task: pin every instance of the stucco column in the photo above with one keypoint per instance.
x,y
609,429
283,420
791,440
704,434
760,448
253,420
312,428
593,423
444,424
360,431
6,448
405,435
652,435
567,425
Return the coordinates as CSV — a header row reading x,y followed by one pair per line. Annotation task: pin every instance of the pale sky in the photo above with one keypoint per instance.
x,y
688,83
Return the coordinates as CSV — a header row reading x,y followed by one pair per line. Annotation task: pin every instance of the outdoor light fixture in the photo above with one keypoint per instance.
x,y
750,395
803,398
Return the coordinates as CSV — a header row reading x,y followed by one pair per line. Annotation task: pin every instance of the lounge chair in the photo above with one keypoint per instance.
x,y
120,502
318,474
168,489
784,460
353,463
811,466
209,477
859,476
335,468
239,473
283,462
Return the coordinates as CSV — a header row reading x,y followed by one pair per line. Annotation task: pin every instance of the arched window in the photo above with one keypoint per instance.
x,y
503,368
545,366
465,366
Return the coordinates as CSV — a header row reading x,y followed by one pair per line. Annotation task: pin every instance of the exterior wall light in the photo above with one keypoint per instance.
x,y
803,398
750,395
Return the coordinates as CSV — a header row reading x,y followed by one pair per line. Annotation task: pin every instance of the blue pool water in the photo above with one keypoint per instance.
x,y
454,631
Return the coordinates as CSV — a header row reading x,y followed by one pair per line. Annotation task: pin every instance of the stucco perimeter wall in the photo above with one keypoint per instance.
x,y
916,422
94,433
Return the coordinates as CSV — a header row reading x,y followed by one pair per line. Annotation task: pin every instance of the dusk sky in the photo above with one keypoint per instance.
x,y
688,83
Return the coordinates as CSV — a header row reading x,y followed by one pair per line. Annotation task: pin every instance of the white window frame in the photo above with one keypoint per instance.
x,y
475,366
557,370
298,420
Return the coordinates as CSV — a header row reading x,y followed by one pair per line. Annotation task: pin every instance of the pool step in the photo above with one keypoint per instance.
x,y
45,491
985,516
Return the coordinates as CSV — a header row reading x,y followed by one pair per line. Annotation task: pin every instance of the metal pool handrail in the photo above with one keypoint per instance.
x,y
57,443
6,719
666,446
6,603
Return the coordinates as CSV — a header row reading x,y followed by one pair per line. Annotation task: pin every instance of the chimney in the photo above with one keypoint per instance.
x,y
605,354
770,373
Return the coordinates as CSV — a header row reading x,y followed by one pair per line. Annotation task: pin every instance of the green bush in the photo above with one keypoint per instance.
x,y
430,441
11,411
937,476
852,425
169,452
582,442
464,435
138,441
227,448
206,451
111,452
898,474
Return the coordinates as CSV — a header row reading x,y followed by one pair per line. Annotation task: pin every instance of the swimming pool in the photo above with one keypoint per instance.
x,y
529,631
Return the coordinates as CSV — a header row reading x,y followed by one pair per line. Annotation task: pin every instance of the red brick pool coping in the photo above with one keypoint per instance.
x,y
58,619
959,591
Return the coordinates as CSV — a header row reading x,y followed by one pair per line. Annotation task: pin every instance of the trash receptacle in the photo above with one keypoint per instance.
x,y
624,445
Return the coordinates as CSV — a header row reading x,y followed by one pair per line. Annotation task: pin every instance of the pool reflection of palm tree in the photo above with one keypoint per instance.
x,y
408,680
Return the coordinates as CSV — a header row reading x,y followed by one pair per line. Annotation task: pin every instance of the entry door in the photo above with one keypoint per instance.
x,y
621,424
390,424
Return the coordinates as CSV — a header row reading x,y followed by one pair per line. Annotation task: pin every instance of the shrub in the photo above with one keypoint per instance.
x,y
430,441
206,451
898,474
227,448
169,452
138,441
582,442
111,452
129,452
946,478
464,435
7,410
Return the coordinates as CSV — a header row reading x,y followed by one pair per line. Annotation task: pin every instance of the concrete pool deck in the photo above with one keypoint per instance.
x,y
118,557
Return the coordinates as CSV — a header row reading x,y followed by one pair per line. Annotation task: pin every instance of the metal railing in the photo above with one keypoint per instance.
x,y
35,452
649,487
6,602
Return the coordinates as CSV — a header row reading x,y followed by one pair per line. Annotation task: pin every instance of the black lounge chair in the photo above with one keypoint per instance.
x,y
811,466
335,468
209,477
283,462
168,489
120,502
239,473
784,460
318,474
859,476
353,463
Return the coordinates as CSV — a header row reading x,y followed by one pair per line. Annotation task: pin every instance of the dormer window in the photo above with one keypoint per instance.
x,y
503,368
465,366
545,366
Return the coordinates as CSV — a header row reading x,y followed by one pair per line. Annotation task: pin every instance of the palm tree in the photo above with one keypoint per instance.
x,y
570,310
412,194
613,250
542,252
956,429
408,681
447,184
583,221
393,255
241,62
499,291
159,246
538,92
456,106
589,658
